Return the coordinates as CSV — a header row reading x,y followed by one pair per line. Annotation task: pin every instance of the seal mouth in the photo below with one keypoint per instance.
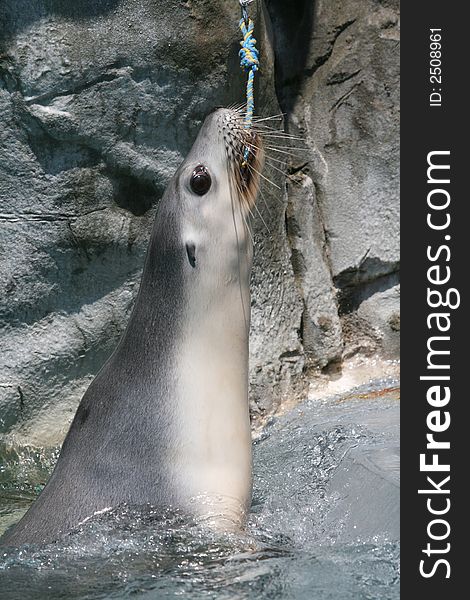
x,y
245,156
247,167
251,149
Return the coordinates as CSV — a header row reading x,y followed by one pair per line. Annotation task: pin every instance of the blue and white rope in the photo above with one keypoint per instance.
x,y
249,61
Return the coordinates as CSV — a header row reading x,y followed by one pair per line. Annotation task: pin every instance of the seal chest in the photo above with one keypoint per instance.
x,y
166,421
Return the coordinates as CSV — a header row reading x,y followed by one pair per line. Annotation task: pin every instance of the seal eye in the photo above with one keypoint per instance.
x,y
200,180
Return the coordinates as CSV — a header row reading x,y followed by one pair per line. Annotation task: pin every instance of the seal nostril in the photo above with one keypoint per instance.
x,y
191,251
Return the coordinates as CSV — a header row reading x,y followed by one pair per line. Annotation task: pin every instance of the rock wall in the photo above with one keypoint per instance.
x,y
99,102
337,80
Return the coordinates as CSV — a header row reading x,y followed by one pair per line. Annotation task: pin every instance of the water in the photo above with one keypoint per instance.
x,y
307,536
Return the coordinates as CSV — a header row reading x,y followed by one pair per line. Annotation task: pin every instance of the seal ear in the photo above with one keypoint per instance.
x,y
191,250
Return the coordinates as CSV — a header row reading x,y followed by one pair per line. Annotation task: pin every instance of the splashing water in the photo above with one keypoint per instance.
x,y
306,538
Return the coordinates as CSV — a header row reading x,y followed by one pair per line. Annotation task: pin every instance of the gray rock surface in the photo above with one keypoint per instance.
x,y
337,79
99,102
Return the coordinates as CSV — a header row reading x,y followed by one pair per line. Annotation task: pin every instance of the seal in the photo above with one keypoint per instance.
x,y
166,420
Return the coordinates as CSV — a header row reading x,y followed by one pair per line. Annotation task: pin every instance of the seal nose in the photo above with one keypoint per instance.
x,y
218,117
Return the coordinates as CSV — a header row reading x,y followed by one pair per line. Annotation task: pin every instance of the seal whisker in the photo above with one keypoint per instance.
x,y
283,150
241,196
272,166
272,117
238,107
257,210
273,148
260,191
273,159
288,148
248,208
268,157
261,217
265,130
251,167
247,224
231,180
279,149
268,127
265,202
272,135
264,199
